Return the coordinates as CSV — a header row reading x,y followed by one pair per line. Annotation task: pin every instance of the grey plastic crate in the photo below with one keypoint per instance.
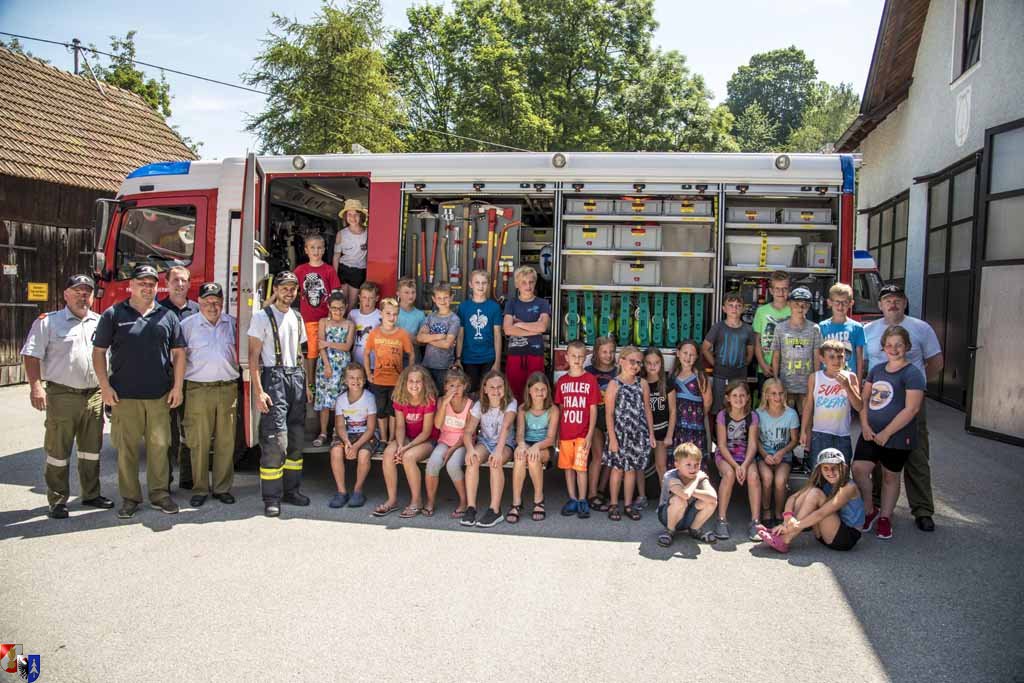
x,y
594,206
750,214
638,206
689,207
814,216
588,236
638,237
636,273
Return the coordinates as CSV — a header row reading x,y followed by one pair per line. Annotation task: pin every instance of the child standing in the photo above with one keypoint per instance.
x,y
829,503
353,436
778,435
602,367
388,351
316,282
495,415
336,334
663,413
736,432
537,427
410,318
450,452
438,333
795,348
630,428
692,397
728,348
579,396
415,400
350,248
766,318
366,317
895,391
830,393
479,344
687,497
526,319
843,329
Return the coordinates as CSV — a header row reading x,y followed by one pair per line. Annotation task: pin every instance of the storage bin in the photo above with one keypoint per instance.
x,y
638,206
587,236
745,250
636,273
536,234
629,237
818,255
816,216
595,206
750,214
688,207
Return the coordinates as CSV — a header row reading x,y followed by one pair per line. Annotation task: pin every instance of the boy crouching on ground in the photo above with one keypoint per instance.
x,y
687,498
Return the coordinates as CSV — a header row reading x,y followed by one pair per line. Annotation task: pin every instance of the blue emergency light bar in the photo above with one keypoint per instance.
x,y
162,168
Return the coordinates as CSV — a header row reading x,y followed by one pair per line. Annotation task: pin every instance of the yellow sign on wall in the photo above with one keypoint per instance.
x,y
38,291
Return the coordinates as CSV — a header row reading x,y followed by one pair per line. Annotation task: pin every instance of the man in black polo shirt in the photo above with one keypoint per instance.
x,y
178,279
147,359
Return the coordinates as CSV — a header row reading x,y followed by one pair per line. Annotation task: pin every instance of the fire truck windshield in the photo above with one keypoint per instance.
x,y
161,236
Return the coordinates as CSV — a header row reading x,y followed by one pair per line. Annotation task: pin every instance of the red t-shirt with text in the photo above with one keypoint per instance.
x,y
575,395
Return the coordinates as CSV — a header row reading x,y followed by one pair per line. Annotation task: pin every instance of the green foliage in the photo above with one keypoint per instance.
x,y
327,82
781,83
831,111
755,131
122,73
16,47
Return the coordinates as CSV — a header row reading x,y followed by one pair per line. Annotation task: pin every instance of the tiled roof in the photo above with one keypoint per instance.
x,y
58,127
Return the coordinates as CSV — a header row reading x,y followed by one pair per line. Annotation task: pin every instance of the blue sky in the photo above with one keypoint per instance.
x,y
219,39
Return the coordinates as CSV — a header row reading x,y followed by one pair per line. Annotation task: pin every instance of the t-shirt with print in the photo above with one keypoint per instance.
x,y
364,322
730,347
356,413
478,320
414,417
924,344
797,348
766,318
386,353
315,285
490,423
576,395
775,431
527,312
850,333
889,397
737,433
435,323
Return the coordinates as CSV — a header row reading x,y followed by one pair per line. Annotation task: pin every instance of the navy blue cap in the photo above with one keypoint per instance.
x,y
80,280
211,289
144,270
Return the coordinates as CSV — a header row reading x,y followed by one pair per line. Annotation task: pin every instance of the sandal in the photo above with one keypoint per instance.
x,y
319,440
614,514
409,512
427,512
383,510
539,515
633,513
513,514
665,540
703,536
773,540
457,514
598,504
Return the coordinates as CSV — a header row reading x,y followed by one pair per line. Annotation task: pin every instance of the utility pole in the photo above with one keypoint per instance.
x,y
76,46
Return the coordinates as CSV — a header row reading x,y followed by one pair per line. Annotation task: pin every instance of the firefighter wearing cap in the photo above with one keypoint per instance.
x,y
276,336
147,369
211,394
178,279
58,351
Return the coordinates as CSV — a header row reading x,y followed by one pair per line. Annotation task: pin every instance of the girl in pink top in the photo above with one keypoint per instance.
x,y
450,452
414,401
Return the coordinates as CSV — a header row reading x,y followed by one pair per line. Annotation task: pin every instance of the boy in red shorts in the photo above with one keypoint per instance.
x,y
578,396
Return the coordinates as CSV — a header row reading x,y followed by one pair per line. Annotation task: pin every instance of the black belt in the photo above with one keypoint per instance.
x,y
222,383
73,390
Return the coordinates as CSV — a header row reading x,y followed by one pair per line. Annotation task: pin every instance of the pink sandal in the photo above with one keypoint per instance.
x,y
773,540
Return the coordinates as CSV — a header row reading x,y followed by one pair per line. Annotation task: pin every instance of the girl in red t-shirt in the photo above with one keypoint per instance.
x,y
414,400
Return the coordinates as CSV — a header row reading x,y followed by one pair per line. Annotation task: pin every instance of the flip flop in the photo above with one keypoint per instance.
x,y
427,512
409,512
457,514
319,441
383,510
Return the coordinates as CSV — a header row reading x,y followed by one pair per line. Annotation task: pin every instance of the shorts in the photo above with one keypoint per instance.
x,y
493,446
686,522
353,277
518,369
787,459
370,445
660,434
600,425
821,440
846,538
571,455
312,339
475,372
892,459
382,397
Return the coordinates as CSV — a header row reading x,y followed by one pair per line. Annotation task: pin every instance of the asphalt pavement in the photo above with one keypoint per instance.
x,y
222,593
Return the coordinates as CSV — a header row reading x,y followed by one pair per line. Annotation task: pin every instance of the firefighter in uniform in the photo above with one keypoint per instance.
x,y
211,395
176,301
58,350
276,337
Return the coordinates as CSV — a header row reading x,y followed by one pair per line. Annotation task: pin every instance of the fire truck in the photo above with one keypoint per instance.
x,y
641,246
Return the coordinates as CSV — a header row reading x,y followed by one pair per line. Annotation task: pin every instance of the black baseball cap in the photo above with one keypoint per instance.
x,y
80,280
211,289
285,277
891,290
800,294
144,270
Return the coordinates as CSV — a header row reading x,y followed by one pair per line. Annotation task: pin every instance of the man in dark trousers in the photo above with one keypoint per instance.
x,y
276,338
147,363
178,279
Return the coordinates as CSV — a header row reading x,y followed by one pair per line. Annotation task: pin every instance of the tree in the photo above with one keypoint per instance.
x,y
16,47
327,82
754,131
781,83
830,113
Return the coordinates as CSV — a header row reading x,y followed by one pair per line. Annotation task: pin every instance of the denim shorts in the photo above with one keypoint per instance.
x,y
686,522
822,440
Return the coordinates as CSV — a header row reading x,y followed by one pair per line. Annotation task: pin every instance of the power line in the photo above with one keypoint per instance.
x,y
236,86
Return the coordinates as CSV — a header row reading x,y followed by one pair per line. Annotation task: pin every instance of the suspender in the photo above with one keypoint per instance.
x,y
278,359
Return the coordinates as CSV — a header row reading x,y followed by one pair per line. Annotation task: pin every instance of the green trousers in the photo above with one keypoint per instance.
x,y
917,474
210,415
135,420
72,414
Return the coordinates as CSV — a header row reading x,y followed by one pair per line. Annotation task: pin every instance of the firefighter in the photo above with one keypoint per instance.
x,y
276,339
178,303
211,395
58,350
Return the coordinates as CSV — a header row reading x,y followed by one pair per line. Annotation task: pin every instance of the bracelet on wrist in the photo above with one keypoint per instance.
x,y
787,515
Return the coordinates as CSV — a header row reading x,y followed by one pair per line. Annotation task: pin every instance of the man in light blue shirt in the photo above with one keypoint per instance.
x,y
211,390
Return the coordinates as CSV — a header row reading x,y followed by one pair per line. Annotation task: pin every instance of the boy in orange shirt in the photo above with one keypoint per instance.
x,y
388,350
